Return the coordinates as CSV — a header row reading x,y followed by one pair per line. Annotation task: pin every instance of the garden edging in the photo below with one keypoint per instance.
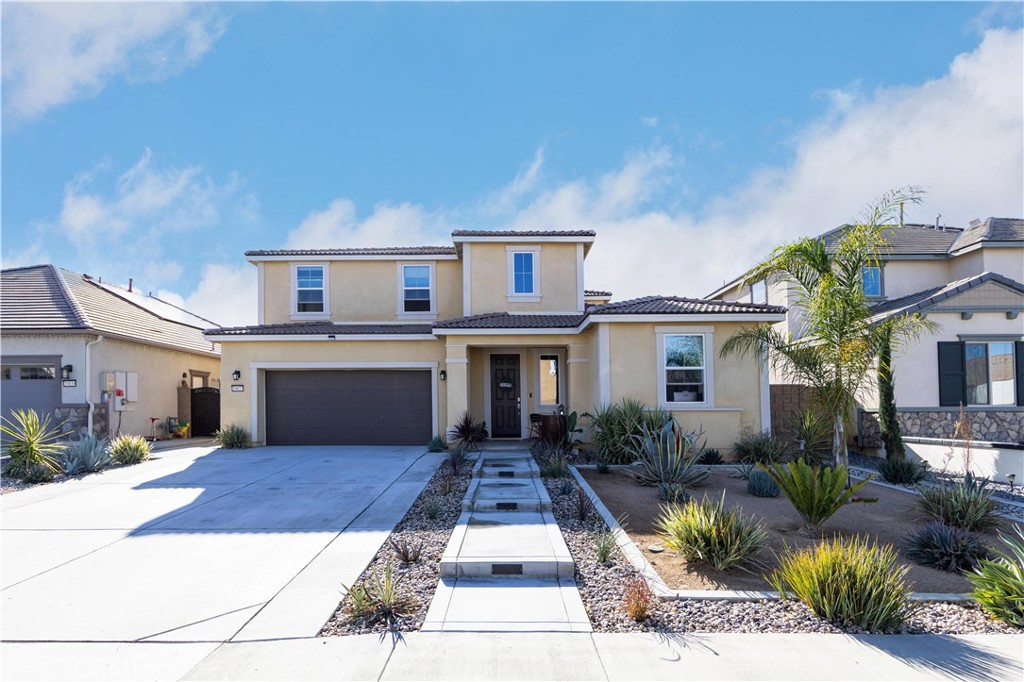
x,y
663,591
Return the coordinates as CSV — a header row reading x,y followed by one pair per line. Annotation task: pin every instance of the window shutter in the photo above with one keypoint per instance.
x,y
952,388
1018,348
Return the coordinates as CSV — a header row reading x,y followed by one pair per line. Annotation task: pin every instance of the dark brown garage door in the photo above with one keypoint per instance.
x,y
348,407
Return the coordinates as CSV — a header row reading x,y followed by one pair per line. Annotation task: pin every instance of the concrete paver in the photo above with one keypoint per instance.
x,y
100,661
27,553
507,605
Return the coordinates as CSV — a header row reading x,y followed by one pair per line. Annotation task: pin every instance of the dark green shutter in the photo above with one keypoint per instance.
x,y
1018,347
952,377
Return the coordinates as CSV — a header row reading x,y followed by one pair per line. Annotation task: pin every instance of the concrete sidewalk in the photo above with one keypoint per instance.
x,y
532,656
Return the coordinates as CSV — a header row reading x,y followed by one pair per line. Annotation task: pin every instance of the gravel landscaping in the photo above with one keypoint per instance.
x,y
602,587
443,495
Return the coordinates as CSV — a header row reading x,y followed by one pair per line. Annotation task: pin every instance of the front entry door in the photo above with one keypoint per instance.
x,y
505,398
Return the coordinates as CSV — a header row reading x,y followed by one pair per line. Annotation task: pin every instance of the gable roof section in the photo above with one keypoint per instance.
x,y
990,230
356,252
35,298
320,328
47,298
921,300
677,305
522,233
512,321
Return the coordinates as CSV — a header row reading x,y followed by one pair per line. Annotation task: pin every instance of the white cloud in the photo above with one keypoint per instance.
x,y
388,225
55,53
650,121
226,294
33,254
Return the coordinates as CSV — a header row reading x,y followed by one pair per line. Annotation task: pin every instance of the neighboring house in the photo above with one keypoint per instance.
x,y
103,358
392,345
968,282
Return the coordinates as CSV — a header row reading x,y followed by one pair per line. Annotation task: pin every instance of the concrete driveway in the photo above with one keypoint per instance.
x,y
201,544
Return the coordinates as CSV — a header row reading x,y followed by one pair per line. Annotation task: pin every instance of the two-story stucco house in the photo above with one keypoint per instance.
x,y
392,345
969,282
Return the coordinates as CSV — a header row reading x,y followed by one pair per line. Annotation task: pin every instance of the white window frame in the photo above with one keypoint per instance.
x,y
988,370
707,335
295,314
400,311
763,285
560,355
881,280
511,252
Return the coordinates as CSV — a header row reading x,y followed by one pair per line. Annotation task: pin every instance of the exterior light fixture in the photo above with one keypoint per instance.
x,y
66,371
442,375
236,375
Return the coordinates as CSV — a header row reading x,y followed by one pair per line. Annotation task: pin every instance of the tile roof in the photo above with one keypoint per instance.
x,y
912,303
596,292
676,305
511,321
990,230
910,240
318,328
368,251
524,233
47,298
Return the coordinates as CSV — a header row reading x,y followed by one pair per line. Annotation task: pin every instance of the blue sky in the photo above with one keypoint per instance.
x,y
160,141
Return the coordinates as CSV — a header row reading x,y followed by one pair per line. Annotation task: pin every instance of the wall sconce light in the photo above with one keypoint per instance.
x,y
236,375
66,371
442,375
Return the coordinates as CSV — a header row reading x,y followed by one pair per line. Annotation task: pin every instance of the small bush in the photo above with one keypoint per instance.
x,y
902,471
38,473
432,508
816,493
710,457
380,598
604,545
945,548
639,599
965,504
437,444
86,456
812,437
673,493
848,582
706,531
602,465
617,426
129,449
999,582
456,459
30,445
760,448
408,552
761,484
553,462
567,487
232,437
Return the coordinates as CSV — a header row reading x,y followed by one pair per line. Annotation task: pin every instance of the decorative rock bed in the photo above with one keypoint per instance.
x,y
421,577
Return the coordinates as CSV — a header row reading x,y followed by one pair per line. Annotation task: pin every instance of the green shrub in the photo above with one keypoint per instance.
x,y
617,426
604,545
964,504
999,582
30,445
567,487
38,473
456,459
129,449
380,598
760,448
902,471
668,456
232,437
437,444
811,436
432,508
816,493
848,582
945,547
706,531
761,484
673,493
744,470
552,460
86,456
407,551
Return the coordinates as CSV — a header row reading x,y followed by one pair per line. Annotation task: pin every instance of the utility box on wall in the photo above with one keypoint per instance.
x,y
126,391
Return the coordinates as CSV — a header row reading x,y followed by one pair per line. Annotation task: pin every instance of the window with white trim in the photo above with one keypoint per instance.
x,y
989,373
759,292
522,273
685,369
416,289
310,290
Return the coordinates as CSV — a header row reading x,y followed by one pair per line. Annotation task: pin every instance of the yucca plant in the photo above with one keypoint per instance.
x,y
964,504
902,471
128,449
380,598
668,456
86,456
604,545
816,493
999,582
467,432
705,531
30,445
811,437
848,581
945,547
232,437
760,448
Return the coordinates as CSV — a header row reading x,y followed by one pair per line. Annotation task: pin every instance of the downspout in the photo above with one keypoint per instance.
x,y
88,379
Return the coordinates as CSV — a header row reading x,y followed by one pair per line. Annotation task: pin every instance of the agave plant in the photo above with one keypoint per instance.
x,y
30,445
668,456
86,456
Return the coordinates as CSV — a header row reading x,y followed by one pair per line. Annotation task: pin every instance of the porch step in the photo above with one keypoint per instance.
x,y
507,544
489,466
516,494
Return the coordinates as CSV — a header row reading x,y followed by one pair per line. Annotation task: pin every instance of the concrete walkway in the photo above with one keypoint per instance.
x,y
532,656
506,567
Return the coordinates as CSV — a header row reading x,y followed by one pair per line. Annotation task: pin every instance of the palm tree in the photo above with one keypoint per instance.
x,y
838,345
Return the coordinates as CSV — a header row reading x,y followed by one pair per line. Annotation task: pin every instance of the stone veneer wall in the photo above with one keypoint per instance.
x,y
786,400
75,420
1002,426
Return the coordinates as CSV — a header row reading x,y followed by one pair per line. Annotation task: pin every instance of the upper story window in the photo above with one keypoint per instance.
x,y
759,292
417,289
684,368
871,281
310,290
524,273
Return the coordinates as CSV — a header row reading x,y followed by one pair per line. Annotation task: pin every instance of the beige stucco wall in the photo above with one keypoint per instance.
x,y
361,291
159,373
489,278
737,380
236,408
